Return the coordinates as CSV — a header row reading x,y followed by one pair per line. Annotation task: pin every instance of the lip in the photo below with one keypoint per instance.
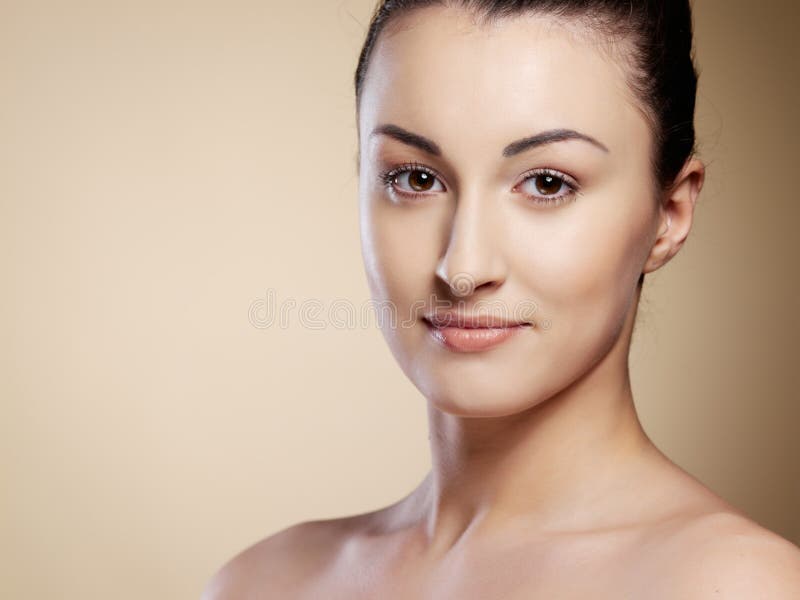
x,y
465,321
466,333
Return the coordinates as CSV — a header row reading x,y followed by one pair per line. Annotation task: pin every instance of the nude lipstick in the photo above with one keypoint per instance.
x,y
466,333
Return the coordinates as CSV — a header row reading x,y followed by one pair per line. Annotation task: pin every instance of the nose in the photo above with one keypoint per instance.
x,y
472,259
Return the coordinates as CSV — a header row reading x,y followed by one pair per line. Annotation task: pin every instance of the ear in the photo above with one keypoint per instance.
x,y
676,214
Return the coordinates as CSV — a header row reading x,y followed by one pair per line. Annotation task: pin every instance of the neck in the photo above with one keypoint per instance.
x,y
557,464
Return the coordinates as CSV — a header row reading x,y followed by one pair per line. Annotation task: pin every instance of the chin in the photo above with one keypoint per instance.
x,y
470,398
486,385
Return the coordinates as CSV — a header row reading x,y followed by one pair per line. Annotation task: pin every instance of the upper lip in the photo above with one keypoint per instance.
x,y
466,321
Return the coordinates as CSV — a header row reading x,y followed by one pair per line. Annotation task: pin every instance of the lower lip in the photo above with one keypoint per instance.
x,y
462,339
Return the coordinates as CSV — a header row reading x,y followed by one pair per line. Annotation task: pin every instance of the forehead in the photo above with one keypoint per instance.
x,y
437,70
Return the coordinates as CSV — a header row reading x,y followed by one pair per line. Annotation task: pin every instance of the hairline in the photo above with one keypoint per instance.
x,y
617,43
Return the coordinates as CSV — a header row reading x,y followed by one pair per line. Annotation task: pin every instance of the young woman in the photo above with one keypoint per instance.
x,y
523,165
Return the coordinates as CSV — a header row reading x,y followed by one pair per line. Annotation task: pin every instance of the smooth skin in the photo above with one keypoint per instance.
x,y
543,482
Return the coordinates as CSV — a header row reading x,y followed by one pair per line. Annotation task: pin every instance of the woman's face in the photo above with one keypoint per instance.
x,y
471,220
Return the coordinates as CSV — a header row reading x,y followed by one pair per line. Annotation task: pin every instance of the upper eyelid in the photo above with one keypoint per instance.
x,y
565,177
412,167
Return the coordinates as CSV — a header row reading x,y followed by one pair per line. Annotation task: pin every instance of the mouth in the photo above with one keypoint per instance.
x,y
463,333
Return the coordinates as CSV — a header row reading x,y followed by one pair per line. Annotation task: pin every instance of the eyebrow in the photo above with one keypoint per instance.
x,y
514,148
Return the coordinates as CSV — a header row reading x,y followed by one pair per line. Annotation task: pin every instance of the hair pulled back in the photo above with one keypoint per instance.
x,y
660,61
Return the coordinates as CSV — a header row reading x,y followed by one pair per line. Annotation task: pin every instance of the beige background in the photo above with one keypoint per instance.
x,y
164,164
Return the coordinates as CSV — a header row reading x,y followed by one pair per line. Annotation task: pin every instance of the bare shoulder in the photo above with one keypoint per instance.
x,y
280,565
725,554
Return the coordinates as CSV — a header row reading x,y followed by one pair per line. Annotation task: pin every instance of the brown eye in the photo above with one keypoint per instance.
x,y
548,184
412,181
548,188
420,181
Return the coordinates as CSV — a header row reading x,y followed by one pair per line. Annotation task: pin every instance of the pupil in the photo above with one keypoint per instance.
x,y
547,184
420,180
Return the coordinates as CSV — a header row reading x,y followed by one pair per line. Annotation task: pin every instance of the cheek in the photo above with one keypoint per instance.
x,y
400,246
584,266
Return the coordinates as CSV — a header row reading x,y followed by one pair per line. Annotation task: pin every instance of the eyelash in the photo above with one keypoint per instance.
x,y
387,179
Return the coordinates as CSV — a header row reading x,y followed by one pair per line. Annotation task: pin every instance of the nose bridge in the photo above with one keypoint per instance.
x,y
473,255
